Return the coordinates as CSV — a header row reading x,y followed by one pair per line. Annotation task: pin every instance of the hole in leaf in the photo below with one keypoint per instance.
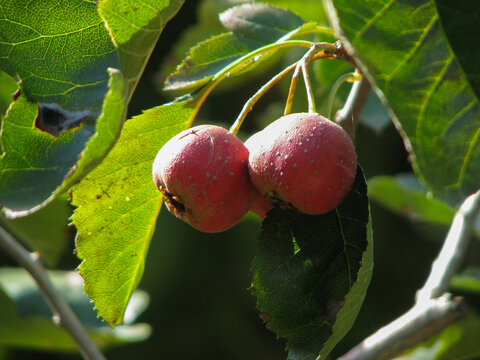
x,y
53,119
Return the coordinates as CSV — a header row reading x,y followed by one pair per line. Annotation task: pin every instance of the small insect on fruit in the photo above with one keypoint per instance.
x,y
203,175
302,161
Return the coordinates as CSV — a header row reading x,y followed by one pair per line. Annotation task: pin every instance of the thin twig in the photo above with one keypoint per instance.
x,y
434,310
347,117
63,314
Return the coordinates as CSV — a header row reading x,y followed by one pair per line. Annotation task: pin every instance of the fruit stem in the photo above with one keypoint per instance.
x,y
325,50
253,100
350,77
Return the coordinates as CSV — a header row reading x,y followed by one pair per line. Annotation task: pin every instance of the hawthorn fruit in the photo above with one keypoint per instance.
x,y
202,173
302,161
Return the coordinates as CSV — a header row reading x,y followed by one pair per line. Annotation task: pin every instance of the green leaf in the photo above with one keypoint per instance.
x,y
260,22
117,208
7,88
310,273
35,163
135,29
402,49
252,26
27,318
460,22
404,195
468,280
458,341
61,53
45,231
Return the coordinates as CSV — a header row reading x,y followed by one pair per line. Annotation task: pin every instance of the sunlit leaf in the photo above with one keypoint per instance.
x,y
61,53
402,49
251,27
118,204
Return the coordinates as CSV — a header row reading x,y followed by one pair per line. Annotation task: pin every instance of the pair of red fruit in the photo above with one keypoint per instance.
x,y
210,179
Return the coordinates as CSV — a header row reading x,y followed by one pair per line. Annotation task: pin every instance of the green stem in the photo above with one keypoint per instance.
x,y
253,100
334,91
291,90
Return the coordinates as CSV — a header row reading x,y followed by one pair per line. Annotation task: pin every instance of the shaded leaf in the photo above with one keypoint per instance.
x,y
27,319
34,163
7,87
135,29
244,21
404,195
468,280
118,204
310,273
460,22
374,114
45,231
61,53
403,51
259,22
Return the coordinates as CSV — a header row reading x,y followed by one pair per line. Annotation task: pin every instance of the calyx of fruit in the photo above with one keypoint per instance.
x,y
302,161
203,175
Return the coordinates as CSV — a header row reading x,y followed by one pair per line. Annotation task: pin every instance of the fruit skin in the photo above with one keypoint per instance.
x,y
202,173
303,161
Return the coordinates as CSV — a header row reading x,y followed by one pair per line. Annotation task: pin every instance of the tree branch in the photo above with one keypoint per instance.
x,y
63,314
347,117
434,310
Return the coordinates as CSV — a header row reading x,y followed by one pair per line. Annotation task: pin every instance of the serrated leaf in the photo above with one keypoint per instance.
x,y
46,231
260,22
27,318
211,56
310,273
118,204
135,28
403,51
34,163
61,53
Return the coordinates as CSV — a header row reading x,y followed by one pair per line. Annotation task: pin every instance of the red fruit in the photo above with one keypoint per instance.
x,y
202,173
303,161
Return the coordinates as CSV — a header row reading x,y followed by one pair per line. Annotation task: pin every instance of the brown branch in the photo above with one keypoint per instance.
x,y
348,116
434,310
63,314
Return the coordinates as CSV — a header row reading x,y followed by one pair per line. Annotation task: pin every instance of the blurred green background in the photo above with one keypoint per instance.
x,y
200,306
